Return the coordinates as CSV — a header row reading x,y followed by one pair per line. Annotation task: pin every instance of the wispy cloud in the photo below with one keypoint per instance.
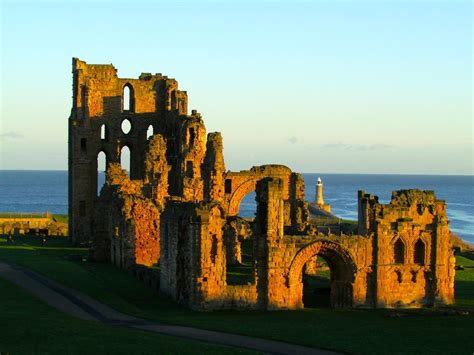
x,y
293,140
12,135
356,147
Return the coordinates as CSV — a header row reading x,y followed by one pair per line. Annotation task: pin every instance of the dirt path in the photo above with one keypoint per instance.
x,y
84,307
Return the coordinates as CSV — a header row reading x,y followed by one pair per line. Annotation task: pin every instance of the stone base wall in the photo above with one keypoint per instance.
x,y
40,224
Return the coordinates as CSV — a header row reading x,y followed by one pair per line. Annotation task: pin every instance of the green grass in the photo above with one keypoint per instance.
x,y
352,331
242,274
22,215
63,218
464,286
30,326
465,259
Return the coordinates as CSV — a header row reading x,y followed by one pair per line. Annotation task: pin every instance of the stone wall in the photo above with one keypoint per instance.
x,y
412,248
32,224
95,126
127,223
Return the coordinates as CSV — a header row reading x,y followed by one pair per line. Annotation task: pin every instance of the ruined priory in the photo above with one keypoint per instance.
x,y
177,208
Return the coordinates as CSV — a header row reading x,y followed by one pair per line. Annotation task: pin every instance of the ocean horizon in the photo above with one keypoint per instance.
x,y
46,190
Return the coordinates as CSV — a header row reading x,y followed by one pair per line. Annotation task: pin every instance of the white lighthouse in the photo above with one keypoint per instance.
x,y
319,197
319,192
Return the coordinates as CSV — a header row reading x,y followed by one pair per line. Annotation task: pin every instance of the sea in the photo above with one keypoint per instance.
x,y
41,191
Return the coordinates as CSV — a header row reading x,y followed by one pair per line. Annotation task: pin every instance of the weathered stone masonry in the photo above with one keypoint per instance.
x,y
178,208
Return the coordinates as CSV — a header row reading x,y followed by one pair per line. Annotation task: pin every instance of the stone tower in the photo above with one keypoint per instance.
x,y
149,105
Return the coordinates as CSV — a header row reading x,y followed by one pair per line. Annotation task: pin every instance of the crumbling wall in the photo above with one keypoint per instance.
x,y
193,256
281,258
295,207
239,184
412,248
363,270
214,168
98,111
157,170
130,225
235,231
299,213
191,157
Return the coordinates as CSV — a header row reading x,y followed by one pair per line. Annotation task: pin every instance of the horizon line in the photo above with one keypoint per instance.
x,y
301,172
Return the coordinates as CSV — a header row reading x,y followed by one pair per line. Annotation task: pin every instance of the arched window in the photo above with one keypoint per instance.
x,y
84,145
103,133
419,254
189,169
149,132
191,136
173,100
399,276
125,159
101,167
399,252
126,126
128,98
213,248
228,186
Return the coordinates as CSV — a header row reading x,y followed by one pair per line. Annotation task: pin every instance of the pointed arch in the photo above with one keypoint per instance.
x,y
126,158
399,251
128,98
104,133
419,252
149,132
101,169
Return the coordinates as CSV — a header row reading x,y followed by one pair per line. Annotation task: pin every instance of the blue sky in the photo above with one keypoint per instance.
x,y
320,86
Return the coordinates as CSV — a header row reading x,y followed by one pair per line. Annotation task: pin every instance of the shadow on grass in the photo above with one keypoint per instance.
x,y
354,331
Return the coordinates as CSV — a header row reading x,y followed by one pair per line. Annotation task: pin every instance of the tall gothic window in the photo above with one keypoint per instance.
x,y
419,255
399,252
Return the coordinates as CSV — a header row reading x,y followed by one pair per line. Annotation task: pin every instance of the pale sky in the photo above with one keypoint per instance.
x,y
320,86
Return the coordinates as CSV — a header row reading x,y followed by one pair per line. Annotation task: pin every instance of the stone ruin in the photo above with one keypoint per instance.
x,y
177,210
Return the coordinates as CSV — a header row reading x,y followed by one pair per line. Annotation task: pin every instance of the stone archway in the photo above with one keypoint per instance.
x,y
239,184
238,195
343,270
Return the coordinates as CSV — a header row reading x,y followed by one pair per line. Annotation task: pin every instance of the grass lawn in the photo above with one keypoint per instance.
x,y
30,326
352,331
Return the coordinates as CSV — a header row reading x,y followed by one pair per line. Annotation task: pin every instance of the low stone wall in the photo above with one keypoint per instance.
x,y
32,224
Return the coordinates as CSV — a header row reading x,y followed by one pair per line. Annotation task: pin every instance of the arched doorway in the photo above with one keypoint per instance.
x,y
316,283
341,267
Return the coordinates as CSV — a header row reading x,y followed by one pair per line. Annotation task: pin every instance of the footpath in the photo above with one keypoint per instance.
x,y
81,306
